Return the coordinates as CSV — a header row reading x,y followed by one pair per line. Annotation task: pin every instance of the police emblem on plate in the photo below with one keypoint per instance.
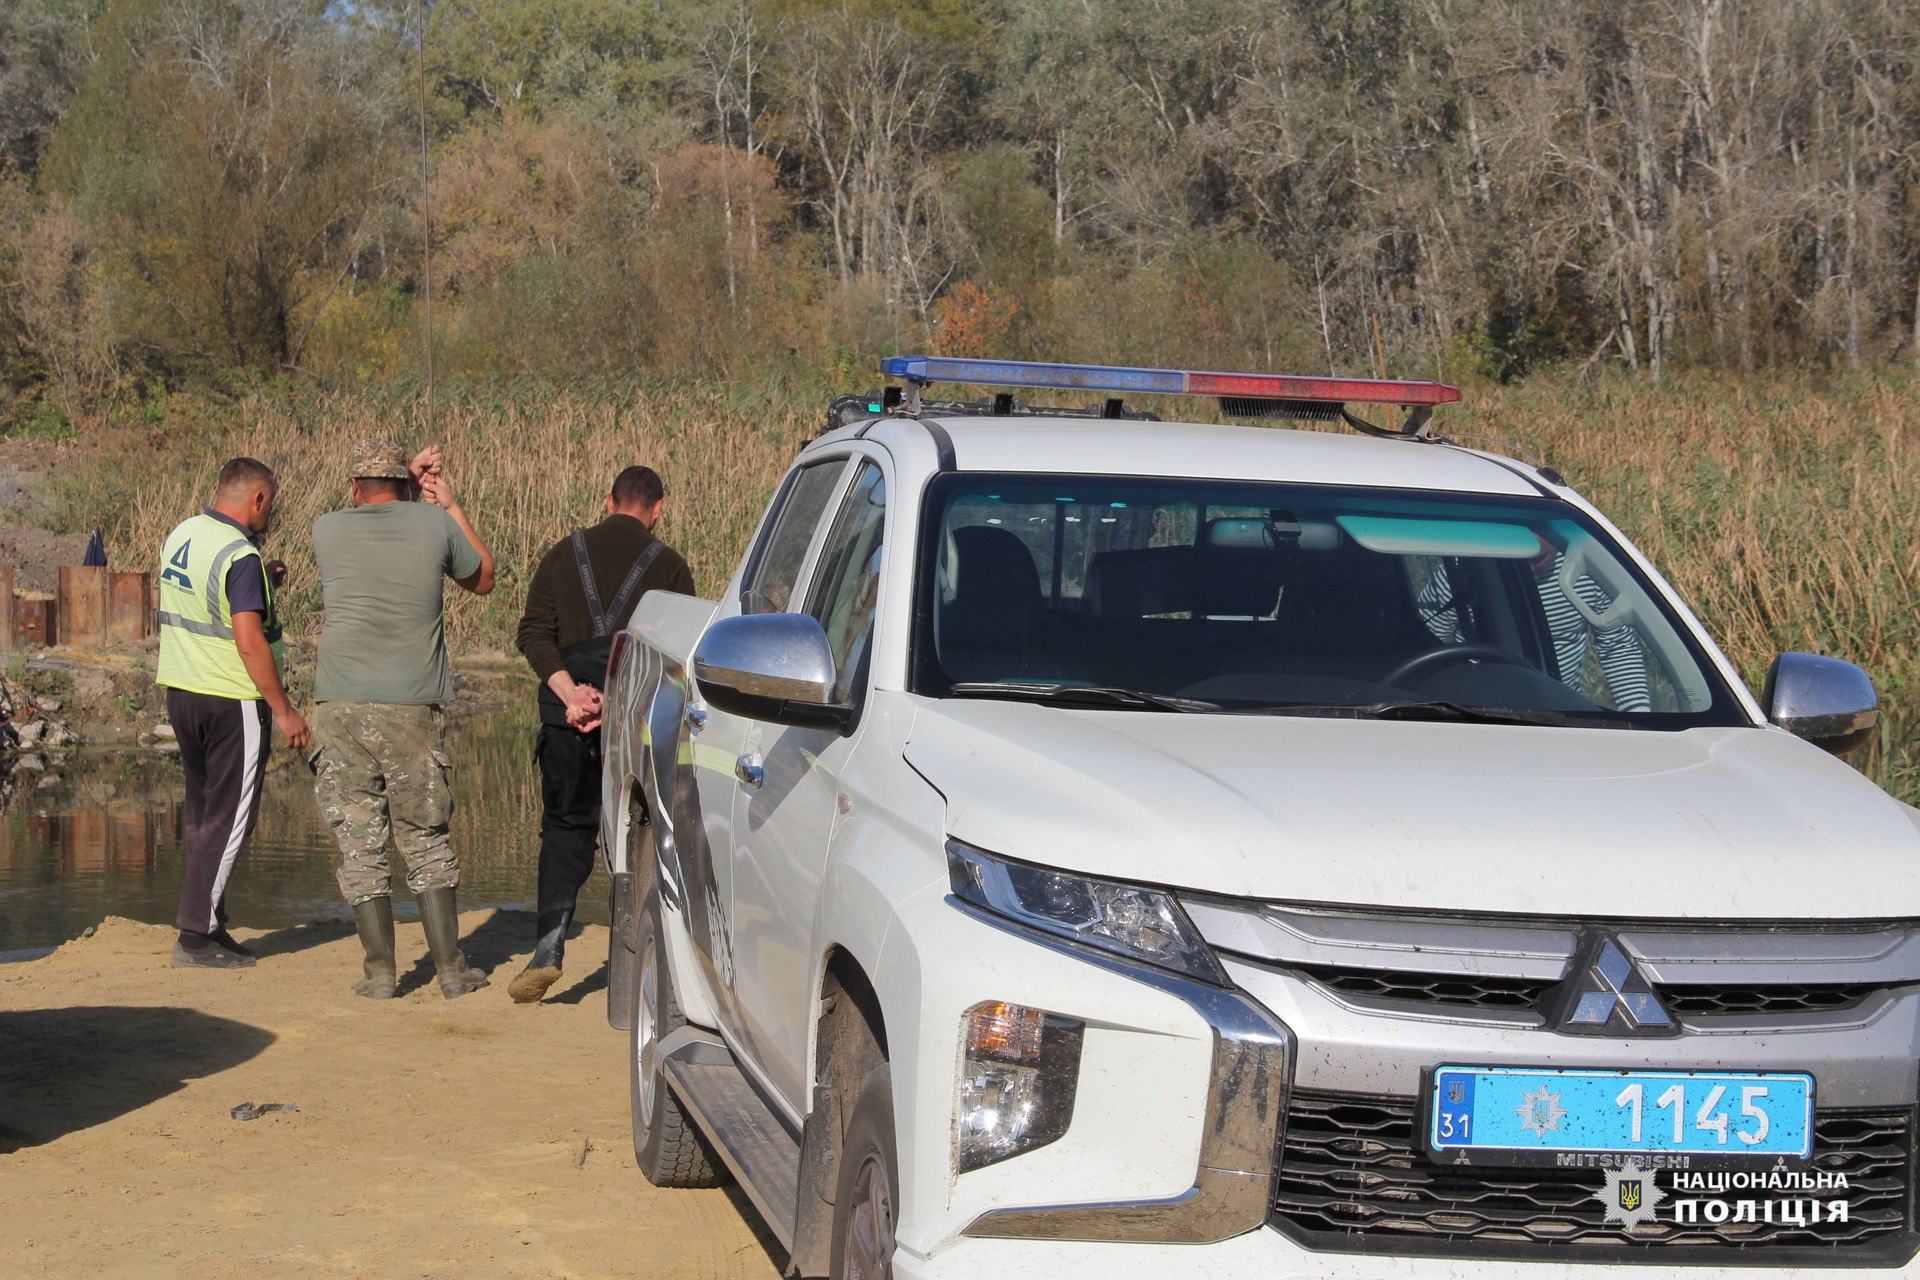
x,y
1630,1195
1540,1112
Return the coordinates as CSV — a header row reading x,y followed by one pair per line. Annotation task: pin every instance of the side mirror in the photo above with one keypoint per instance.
x,y
776,667
1828,702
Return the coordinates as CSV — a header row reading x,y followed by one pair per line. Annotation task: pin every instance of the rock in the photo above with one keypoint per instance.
x,y
163,730
167,748
30,763
49,706
30,733
91,686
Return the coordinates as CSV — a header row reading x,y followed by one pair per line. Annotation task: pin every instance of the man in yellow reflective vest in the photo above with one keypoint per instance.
x,y
222,664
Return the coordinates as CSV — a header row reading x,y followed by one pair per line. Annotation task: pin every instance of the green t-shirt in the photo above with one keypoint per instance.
x,y
382,577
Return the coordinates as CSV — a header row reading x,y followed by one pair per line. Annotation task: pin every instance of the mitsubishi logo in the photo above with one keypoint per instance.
x,y
1609,995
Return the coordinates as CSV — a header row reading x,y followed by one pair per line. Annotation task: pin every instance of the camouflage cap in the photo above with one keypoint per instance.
x,y
378,459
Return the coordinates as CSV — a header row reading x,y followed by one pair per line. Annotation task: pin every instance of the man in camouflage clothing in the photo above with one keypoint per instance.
x,y
379,724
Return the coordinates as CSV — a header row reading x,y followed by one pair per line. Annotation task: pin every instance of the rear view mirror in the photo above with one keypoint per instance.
x,y
776,667
1830,703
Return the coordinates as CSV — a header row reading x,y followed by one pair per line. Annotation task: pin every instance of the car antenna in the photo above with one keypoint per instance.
x,y
426,209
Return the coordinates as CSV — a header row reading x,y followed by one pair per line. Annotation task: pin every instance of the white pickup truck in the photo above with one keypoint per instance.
x,y
1076,844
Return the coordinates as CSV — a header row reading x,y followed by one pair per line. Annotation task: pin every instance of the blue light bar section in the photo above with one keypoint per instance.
x,y
1021,373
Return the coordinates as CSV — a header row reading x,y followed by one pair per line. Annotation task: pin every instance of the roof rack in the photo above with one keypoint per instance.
x,y
1245,395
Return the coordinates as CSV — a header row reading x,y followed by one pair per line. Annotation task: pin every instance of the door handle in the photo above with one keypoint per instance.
x,y
696,719
750,771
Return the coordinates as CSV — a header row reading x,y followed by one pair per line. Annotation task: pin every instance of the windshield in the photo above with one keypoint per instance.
x,y
1296,599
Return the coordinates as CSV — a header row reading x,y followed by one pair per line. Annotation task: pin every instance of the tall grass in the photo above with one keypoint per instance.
x,y
526,468
1783,509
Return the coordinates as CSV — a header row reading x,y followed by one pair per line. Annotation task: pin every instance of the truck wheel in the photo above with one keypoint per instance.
x,y
868,1197
666,1144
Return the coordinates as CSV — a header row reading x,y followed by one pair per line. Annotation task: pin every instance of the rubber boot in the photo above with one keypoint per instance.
x,y
549,951
374,919
442,921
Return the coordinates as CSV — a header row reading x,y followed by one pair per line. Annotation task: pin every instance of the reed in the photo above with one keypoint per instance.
x,y
1783,509
526,468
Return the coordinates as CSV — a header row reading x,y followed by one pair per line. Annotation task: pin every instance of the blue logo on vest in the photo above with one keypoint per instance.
x,y
177,567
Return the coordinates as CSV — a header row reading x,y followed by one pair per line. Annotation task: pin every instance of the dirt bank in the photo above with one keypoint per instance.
x,y
467,1139
107,697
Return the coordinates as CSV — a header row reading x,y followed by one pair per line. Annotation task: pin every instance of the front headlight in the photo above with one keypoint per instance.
x,y
1141,924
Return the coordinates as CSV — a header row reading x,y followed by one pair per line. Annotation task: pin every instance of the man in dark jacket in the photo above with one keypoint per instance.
x,y
581,595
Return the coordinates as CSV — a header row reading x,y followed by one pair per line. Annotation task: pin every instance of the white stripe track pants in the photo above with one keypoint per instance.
x,y
223,746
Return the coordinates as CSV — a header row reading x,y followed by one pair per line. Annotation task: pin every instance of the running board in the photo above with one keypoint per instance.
x,y
760,1151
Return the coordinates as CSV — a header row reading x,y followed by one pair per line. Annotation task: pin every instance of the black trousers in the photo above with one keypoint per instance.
x,y
570,816
223,747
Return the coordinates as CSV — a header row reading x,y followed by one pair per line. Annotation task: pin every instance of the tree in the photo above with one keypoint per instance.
x,y
229,155
870,93
40,64
591,58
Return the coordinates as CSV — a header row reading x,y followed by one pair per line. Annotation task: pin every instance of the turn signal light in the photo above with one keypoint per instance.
x,y
1018,1078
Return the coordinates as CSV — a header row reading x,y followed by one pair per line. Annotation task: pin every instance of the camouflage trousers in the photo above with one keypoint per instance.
x,y
381,770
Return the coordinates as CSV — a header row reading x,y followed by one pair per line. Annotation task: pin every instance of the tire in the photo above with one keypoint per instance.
x,y
866,1203
667,1145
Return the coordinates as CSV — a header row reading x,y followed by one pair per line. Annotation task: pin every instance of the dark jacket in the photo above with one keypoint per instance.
x,y
557,626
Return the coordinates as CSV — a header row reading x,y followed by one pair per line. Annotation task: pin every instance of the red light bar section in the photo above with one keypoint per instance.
x,y
1266,386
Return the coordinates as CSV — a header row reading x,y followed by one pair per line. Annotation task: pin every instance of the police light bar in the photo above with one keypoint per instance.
x,y
921,370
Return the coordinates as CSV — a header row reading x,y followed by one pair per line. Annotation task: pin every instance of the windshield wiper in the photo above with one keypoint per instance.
x,y
1100,695
1432,710
1441,710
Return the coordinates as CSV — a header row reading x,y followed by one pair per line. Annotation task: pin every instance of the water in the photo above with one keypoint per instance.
x,y
102,836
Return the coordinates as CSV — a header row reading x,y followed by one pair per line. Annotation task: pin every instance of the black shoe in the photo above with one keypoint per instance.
x,y
211,956
231,943
549,956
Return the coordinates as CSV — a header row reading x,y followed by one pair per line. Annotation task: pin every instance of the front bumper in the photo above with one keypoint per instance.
x,y
1071,1222
1267,1255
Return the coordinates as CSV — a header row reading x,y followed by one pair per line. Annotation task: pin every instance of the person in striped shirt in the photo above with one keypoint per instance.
x,y
1586,656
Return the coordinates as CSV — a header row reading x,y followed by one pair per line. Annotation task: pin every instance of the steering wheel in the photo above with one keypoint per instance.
x,y
1421,664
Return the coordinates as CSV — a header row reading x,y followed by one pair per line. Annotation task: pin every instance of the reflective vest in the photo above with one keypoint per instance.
x,y
197,652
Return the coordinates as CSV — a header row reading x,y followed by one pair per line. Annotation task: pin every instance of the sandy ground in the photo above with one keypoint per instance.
x,y
469,1138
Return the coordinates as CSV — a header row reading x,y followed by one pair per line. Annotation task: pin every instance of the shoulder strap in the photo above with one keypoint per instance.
x,y
619,608
585,565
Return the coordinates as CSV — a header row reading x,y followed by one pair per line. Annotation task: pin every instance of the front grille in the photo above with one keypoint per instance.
x,y
1352,1178
1474,991
1466,990
1782,997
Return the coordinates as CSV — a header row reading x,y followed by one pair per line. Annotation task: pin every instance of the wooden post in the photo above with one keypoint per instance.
x,y
9,630
84,607
129,607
